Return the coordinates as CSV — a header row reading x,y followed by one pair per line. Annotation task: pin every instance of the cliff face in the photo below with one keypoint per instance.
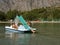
x,y
25,5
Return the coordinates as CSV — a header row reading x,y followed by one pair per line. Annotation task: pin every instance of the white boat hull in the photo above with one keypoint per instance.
x,y
7,28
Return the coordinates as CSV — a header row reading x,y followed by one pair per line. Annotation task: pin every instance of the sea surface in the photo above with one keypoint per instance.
x,y
46,34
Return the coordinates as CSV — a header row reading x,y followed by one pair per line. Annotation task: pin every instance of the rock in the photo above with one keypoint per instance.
x,y
26,5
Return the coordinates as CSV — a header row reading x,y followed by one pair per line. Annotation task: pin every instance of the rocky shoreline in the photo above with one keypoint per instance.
x,y
33,22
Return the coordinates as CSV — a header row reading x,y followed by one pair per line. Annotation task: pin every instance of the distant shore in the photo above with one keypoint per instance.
x,y
33,22
45,21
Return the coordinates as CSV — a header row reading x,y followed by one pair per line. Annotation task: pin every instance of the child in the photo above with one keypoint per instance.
x,y
14,26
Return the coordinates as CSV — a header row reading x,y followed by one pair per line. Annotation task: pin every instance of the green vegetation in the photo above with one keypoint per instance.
x,y
46,14
2,16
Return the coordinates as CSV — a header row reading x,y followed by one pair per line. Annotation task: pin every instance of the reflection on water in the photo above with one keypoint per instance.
x,y
19,39
48,34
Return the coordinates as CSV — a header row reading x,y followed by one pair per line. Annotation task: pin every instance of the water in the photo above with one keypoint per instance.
x,y
47,34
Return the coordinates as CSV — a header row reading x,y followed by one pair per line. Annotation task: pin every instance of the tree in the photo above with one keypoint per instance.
x,y
11,14
2,16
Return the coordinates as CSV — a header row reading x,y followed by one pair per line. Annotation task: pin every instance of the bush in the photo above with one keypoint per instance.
x,y
2,16
49,13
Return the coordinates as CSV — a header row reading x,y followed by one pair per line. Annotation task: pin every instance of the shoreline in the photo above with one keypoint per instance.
x,y
33,22
45,21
